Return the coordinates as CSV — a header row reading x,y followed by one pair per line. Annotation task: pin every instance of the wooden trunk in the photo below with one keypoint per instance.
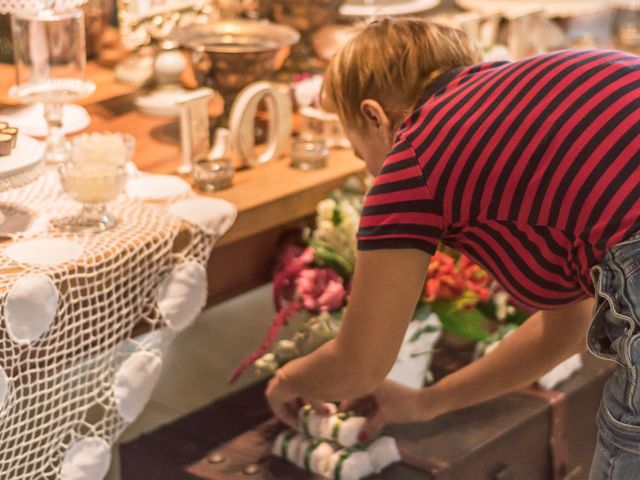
x,y
506,438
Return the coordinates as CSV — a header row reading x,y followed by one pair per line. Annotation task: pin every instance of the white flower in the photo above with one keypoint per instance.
x,y
267,363
501,301
285,350
337,226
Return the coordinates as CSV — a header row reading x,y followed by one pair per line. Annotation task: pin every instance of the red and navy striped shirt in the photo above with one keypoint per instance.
x,y
531,168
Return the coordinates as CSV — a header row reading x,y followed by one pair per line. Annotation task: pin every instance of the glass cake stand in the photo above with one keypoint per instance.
x,y
50,59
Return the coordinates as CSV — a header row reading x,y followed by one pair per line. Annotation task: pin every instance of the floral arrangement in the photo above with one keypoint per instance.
x,y
311,283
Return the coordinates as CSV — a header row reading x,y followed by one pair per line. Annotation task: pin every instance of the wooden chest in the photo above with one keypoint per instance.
x,y
518,436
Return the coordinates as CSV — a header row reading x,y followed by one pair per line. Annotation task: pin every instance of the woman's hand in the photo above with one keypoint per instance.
x,y
393,403
285,403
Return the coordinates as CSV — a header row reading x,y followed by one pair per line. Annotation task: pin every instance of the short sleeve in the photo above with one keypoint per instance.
x,y
399,210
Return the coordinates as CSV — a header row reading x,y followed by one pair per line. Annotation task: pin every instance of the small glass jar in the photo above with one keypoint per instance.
x,y
215,172
212,174
309,152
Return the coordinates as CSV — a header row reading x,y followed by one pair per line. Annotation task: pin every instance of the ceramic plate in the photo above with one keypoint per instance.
x,y
26,155
553,8
364,8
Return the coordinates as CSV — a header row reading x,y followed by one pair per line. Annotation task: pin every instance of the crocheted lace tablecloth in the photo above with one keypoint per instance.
x,y
72,376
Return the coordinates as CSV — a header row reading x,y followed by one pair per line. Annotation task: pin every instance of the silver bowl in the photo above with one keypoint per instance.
x,y
306,16
229,55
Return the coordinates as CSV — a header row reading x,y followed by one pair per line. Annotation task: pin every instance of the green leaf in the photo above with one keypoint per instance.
x,y
469,324
336,218
488,309
518,317
324,256
418,333
420,354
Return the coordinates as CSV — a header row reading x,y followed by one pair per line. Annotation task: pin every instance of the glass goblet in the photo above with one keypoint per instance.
x,y
94,174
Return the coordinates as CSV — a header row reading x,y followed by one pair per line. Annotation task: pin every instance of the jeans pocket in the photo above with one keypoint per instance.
x,y
598,339
599,335
612,326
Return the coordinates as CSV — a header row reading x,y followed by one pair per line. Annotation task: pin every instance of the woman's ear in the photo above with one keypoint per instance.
x,y
375,117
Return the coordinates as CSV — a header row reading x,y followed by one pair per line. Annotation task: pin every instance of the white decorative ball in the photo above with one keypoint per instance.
x,y
157,187
44,251
182,295
212,215
30,307
4,387
134,382
87,458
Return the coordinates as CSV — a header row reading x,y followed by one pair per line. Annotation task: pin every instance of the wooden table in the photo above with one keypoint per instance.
x,y
270,199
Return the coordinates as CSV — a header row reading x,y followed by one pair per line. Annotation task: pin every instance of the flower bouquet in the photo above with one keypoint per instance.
x,y
311,285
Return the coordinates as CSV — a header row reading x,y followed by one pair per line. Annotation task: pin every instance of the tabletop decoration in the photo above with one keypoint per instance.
x,y
552,8
94,174
87,458
44,251
50,60
71,307
22,164
372,8
212,215
329,445
182,294
134,382
215,171
30,119
4,388
157,188
30,307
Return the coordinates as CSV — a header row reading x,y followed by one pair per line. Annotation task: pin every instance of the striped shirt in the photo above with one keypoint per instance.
x,y
530,168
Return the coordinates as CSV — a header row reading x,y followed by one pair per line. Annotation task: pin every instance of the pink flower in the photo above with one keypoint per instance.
x,y
320,289
290,263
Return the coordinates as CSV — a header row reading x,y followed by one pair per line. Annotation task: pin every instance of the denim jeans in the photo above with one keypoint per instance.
x,y
614,335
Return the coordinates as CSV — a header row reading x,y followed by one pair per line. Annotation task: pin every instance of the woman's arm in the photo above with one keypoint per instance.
x,y
543,341
385,290
538,345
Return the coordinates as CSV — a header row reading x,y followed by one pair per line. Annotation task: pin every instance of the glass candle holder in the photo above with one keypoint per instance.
x,y
93,175
212,174
215,172
309,152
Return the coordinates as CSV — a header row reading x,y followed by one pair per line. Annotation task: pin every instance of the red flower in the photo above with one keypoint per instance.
x,y
444,281
320,289
476,279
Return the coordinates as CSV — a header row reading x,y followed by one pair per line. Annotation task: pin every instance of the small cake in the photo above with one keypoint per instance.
x,y
349,464
6,144
383,452
344,428
312,423
13,131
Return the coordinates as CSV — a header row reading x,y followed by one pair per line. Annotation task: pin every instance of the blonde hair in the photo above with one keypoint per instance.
x,y
393,61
